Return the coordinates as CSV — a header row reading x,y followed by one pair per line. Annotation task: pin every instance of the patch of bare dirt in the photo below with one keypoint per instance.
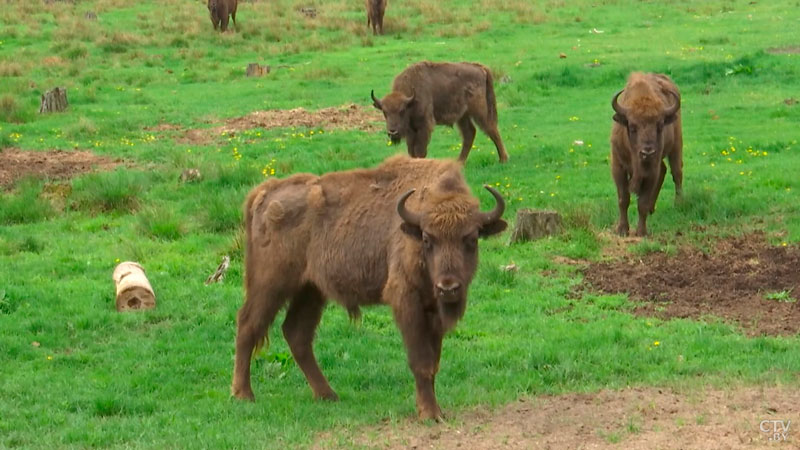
x,y
53,165
730,282
634,418
346,117
792,49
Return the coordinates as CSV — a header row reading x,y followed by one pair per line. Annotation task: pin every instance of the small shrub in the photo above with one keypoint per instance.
x,y
223,213
161,223
26,205
108,191
9,109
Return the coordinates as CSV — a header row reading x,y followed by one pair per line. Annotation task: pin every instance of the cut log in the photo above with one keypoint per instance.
x,y
54,101
532,224
133,288
257,70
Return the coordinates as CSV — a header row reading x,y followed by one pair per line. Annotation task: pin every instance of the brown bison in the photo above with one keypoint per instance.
x,y
220,10
375,11
646,129
428,93
404,234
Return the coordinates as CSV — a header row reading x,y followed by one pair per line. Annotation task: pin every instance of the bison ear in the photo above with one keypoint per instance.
x,y
620,119
412,230
492,228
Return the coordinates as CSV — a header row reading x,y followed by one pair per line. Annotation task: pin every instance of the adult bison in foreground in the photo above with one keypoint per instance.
x,y
646,129
220,10
375,11
428,93
404,234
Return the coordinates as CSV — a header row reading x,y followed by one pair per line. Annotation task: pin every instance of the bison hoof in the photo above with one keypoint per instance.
x,y
641,233
243,394
622,230
327,396
503,158
432,416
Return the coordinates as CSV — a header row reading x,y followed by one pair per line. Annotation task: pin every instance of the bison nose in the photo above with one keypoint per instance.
x,y
448,286
648,150
393,133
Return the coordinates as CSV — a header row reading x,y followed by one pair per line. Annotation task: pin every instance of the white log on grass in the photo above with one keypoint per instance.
x,y
133,288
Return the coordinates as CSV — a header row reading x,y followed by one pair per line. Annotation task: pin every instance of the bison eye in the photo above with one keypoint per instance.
x,y
471,243
427,244
632,129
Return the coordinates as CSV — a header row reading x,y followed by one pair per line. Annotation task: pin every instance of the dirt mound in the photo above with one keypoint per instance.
x,y
635,418
55,164
733,282
346,117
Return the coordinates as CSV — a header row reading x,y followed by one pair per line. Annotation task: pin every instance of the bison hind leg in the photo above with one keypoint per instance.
x,y
489,126
302,319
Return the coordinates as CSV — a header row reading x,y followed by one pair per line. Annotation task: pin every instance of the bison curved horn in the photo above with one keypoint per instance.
x,y
375,101
619,109
497,212
675,106
408,216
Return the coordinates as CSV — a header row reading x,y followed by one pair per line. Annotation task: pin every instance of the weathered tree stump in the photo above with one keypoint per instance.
x,y
133,288
54,101
90,15
532,224
257,70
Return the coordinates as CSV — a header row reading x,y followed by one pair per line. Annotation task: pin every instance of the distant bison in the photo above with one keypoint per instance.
x,y
375,10
428,93
220,10
646,129
404,234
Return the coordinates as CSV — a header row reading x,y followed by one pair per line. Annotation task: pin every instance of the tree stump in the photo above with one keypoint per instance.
x,y
90,15
133,289
54,101
532,224
257,70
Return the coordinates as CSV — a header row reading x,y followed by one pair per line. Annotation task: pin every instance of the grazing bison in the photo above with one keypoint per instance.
x,y
428,93
219,10
404,234
646,129
375,10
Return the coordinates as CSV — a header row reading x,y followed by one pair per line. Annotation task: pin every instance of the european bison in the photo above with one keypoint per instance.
x,y
646,129
404,234
428,93
219,10
375,10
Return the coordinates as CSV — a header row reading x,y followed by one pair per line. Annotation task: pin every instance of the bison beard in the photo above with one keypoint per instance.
x,y
427,94
646,129
403,234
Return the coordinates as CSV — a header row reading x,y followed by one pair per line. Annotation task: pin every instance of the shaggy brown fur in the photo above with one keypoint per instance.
x,y
362,237
375,11
220,10
646,129
428,94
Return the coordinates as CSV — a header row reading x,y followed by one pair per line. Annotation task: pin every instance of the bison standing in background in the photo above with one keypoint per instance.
x,y
646,129
220,10
428,93
404,234
375,11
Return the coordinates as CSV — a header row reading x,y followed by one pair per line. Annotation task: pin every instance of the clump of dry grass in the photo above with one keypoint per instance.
x,y
10,69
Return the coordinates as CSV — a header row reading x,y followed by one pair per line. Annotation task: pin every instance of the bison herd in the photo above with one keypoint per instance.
x,y
405,234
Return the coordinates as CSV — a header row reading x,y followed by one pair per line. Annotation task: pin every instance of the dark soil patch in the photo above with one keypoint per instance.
x,y
634,418
53,165
346,117
790,50
730,282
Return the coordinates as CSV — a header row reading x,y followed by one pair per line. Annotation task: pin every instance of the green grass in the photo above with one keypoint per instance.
x,y
161,378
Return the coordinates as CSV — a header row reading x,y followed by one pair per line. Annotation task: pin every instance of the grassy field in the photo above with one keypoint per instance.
x,y
160,379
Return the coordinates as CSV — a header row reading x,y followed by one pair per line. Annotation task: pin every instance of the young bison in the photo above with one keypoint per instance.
x,y
646,129
428,94
220,10
404,234
375,11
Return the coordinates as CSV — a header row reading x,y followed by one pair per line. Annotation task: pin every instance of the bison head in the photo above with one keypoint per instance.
x,y
645,124
397,109
448,227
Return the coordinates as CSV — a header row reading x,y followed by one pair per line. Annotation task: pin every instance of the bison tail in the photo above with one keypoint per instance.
x,y
491,101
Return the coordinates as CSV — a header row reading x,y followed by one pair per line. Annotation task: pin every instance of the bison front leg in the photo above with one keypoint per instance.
x,y
467,136
301,321
423,344
620,176
418,143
